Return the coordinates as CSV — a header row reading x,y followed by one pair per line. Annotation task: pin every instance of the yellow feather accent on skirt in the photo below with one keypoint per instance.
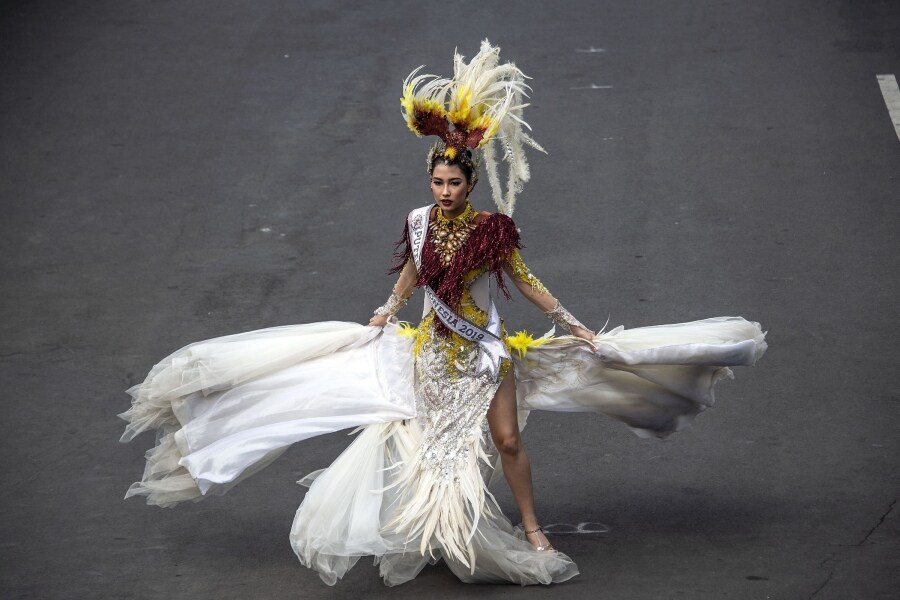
x,y
523,340
407,330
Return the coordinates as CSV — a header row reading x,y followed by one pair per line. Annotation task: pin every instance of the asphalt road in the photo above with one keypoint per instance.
x,y
178,170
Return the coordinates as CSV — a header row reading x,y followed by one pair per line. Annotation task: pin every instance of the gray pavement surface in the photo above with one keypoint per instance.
x,y
174,171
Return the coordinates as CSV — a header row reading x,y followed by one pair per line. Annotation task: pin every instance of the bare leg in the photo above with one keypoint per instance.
x,y
504,424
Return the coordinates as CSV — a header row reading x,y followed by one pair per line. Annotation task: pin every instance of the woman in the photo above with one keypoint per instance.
x,y
436,405
442,502
451,183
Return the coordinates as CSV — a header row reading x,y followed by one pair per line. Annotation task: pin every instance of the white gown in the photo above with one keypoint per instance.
x,y
225,408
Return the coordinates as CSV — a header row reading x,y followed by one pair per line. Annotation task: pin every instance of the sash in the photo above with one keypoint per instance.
x,y
418,225
490,345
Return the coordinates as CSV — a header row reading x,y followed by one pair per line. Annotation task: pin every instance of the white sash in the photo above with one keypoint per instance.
x,y
491,346
418,225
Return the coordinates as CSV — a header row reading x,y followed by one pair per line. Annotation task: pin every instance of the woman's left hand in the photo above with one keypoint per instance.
x,y
585,334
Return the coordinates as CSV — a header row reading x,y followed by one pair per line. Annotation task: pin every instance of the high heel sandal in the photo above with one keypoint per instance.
x,y
548,547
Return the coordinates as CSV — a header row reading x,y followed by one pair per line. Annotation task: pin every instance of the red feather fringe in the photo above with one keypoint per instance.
x,y
491,243
430,123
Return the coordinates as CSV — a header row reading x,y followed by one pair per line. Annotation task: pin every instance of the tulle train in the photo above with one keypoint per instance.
x,y
225,408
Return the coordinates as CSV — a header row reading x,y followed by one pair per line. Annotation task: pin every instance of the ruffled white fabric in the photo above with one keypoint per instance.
x,y
654,379
350,506
227,407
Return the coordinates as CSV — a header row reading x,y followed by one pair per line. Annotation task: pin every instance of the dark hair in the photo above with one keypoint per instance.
x,y
463,160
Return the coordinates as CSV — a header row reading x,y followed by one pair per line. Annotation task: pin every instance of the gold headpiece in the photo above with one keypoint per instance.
x,y
467,158
482,102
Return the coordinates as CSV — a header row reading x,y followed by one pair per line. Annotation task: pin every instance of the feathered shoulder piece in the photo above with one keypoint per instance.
x,y
490,246
482,103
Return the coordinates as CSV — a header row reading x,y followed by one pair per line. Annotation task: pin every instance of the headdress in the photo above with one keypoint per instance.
x,y
481,103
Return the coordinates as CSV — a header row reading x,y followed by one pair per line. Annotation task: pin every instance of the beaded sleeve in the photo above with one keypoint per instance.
x,y
560,316
391,307
521,271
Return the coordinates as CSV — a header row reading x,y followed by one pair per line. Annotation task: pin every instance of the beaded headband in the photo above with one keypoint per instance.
x,y
467,158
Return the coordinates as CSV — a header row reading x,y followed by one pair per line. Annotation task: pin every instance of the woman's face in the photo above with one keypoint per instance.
x,y
450,189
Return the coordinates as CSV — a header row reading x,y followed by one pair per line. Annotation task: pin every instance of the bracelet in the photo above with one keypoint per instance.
x,y
560,316
391,307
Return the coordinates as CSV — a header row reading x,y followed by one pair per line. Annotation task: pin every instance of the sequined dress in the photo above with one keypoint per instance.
x,y
412,487
443,508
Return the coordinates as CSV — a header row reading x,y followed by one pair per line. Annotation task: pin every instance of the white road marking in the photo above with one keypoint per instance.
x,y
593,86
570,529
590,50
891,94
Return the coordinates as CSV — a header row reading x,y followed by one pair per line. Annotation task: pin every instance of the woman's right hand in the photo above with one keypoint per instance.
x,y
378,320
